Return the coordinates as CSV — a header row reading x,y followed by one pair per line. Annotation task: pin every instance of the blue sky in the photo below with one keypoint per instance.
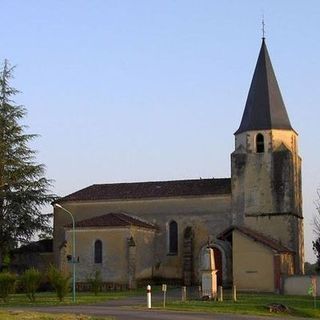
x,y
154,90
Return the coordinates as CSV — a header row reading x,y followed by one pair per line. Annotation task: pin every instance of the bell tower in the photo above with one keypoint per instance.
x,y
266,166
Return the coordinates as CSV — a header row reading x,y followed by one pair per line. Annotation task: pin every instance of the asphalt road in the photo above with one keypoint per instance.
x,y
130,309
125,313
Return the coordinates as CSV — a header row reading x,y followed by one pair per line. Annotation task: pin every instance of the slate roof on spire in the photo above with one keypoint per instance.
x,y
264,107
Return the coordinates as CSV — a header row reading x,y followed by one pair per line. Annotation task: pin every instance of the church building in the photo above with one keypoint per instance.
x,y
142,231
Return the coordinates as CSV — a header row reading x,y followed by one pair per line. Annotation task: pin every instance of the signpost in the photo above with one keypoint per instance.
x,y
73,259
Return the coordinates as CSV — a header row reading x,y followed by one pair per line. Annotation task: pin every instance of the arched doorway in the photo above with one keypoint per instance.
x,y
222,259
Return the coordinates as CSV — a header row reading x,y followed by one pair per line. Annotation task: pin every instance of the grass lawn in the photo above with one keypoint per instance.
x,y
50,298
19,315
251,304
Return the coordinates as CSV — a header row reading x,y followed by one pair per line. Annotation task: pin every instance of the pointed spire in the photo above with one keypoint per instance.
x,y
264,107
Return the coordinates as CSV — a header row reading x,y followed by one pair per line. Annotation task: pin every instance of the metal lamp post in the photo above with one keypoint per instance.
x,y
73,260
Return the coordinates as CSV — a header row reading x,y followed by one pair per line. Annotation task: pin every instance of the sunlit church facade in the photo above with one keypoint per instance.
x,y
147,231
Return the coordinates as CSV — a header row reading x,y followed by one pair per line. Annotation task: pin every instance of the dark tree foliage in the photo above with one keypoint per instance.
x,y
316,243
316,250
23,186
310,268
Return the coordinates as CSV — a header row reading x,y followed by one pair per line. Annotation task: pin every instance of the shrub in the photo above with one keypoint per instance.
x,y
7,285
95,282
30,281
59,281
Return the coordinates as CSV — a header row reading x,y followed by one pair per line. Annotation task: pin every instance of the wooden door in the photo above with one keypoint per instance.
x,y
218,263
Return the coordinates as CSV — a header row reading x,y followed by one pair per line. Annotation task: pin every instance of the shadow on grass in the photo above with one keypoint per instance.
x,y
251,304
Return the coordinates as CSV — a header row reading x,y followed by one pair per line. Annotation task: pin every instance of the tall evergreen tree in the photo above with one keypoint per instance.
x,y
23,186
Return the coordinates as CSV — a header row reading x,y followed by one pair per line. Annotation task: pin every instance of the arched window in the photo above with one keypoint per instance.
x,y
259,143
98,251
173,237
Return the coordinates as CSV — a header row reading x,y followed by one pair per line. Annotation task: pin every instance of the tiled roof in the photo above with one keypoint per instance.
x,y
44,245
113,220
256,236
156,189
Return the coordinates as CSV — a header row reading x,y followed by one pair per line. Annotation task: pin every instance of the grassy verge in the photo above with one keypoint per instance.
x,y
50,298
251,304
12,315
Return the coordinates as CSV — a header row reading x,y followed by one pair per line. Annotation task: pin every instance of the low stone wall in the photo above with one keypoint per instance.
x,y
105,286
299,285
142,283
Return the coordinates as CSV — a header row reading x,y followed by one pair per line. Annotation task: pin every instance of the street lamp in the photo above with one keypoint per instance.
x,y
73,260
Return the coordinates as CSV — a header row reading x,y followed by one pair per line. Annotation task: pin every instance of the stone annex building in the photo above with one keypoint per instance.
x,y
133,232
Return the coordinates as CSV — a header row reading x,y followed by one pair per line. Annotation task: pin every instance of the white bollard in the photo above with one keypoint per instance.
x,y
184,294
149,296
234,293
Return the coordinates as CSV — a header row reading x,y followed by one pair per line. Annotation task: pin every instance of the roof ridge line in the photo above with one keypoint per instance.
x,y
263,237
258,236
133,217
265,51
151,189
158,181
122,218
